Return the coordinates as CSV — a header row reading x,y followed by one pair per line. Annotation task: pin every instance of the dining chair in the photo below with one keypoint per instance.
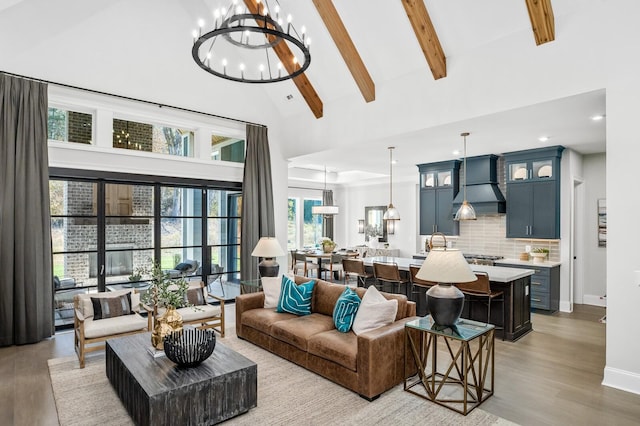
x,y
353,267
334,266
306,264
296,264
479,291
388,273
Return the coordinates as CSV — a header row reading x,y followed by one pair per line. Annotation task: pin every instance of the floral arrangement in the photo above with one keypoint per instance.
x,y
327,244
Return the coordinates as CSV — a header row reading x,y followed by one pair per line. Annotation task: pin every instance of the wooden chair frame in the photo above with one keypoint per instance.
x,y
84,345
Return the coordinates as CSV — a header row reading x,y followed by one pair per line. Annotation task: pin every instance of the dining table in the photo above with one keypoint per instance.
x,y
324,257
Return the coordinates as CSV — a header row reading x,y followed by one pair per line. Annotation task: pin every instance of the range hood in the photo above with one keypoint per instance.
x,y
482,186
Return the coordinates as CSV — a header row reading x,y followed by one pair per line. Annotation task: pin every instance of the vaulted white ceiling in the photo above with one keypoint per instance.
x,y
500,86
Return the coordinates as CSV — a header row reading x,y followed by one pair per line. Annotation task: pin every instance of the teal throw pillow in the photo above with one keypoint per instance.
x,y
295,299
345,310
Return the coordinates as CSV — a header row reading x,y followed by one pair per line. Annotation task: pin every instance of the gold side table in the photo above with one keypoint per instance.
x,y
463,378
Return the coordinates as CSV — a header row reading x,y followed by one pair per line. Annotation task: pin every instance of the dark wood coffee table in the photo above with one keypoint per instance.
x,y
156,391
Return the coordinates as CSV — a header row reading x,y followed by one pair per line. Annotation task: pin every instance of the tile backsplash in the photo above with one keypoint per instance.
x,y
487,236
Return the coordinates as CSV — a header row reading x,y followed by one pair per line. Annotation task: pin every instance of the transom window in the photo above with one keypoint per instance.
x,y
152,138
69,126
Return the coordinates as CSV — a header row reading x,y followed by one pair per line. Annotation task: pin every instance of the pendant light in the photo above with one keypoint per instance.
x,y
466,210
326,209
391,213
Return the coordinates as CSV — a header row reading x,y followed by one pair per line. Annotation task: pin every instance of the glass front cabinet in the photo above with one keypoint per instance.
x,y
533,193
439,185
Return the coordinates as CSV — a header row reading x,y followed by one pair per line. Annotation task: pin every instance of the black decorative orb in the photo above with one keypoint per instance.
x,y
445,303
189,347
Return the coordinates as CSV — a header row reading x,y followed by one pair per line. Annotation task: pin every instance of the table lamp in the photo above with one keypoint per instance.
x,y
444,300
268,248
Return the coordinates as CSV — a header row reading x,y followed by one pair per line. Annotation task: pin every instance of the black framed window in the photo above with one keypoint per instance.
x,y
107,226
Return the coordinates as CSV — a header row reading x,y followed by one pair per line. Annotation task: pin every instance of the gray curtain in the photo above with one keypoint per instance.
x,y
26,285
257,199
327,221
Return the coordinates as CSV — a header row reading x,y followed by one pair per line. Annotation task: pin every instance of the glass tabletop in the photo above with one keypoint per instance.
x,y
464,330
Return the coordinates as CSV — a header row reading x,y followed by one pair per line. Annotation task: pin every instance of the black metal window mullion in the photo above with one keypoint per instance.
x,y
157,227
206,255
101,233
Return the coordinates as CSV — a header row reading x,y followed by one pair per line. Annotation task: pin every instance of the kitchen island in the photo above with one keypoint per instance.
x,y
514,282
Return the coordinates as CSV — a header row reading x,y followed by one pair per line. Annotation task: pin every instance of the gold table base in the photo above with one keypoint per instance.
x,y
461,385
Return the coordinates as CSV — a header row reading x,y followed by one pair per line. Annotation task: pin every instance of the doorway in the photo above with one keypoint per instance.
x,y
576,269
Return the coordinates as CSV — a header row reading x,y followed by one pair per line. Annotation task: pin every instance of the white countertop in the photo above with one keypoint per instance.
x,y
545,264
496,273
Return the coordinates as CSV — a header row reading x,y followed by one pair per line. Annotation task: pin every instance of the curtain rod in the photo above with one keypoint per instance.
x,y
129,98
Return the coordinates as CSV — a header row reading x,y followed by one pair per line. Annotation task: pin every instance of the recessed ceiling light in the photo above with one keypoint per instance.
x,y
289,97
543,138
456,152
597,117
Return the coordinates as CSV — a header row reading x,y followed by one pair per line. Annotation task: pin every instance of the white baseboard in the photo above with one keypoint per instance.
x,y
565,306
621,379
595,300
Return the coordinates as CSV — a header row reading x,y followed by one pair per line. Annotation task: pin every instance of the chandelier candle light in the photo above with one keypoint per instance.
x,y
392,213
254,33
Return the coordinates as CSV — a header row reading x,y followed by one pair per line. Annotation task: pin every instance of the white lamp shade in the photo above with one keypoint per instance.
x,y
446,266
267,247
391,214
325,210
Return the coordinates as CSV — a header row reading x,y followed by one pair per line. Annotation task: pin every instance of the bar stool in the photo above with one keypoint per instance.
x,y
389,273
480,291
352,267
417,282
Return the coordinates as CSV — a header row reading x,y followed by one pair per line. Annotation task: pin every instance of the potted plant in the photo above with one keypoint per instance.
x,y
539,254
327,245
170,294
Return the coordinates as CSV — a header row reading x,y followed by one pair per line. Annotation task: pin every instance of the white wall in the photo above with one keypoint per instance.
x,y
405,199
595,258
621,31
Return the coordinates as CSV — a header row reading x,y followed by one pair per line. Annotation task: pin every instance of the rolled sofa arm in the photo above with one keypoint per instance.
x,y
246,302
380,362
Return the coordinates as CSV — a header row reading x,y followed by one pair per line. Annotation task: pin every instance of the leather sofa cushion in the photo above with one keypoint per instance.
x,y
262,319
325,296
341,348
298,330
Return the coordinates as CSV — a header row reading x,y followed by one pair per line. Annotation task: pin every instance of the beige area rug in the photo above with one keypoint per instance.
x,y
287,394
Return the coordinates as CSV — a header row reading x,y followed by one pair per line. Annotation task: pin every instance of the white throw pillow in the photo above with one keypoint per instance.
x,y
375,311
271,287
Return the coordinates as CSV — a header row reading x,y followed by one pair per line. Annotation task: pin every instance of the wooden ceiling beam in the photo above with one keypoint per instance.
x,y
542,20
427,37
347,49
286,57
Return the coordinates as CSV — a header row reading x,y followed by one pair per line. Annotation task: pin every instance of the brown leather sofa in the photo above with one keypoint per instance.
x,y
368,364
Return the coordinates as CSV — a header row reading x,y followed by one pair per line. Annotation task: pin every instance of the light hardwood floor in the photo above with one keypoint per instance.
x,y
551,376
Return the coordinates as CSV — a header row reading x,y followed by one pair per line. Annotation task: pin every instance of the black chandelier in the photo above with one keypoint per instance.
x,y
254,33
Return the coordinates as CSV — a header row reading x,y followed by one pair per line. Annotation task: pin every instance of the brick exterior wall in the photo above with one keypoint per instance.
x,y
79,127
80,233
